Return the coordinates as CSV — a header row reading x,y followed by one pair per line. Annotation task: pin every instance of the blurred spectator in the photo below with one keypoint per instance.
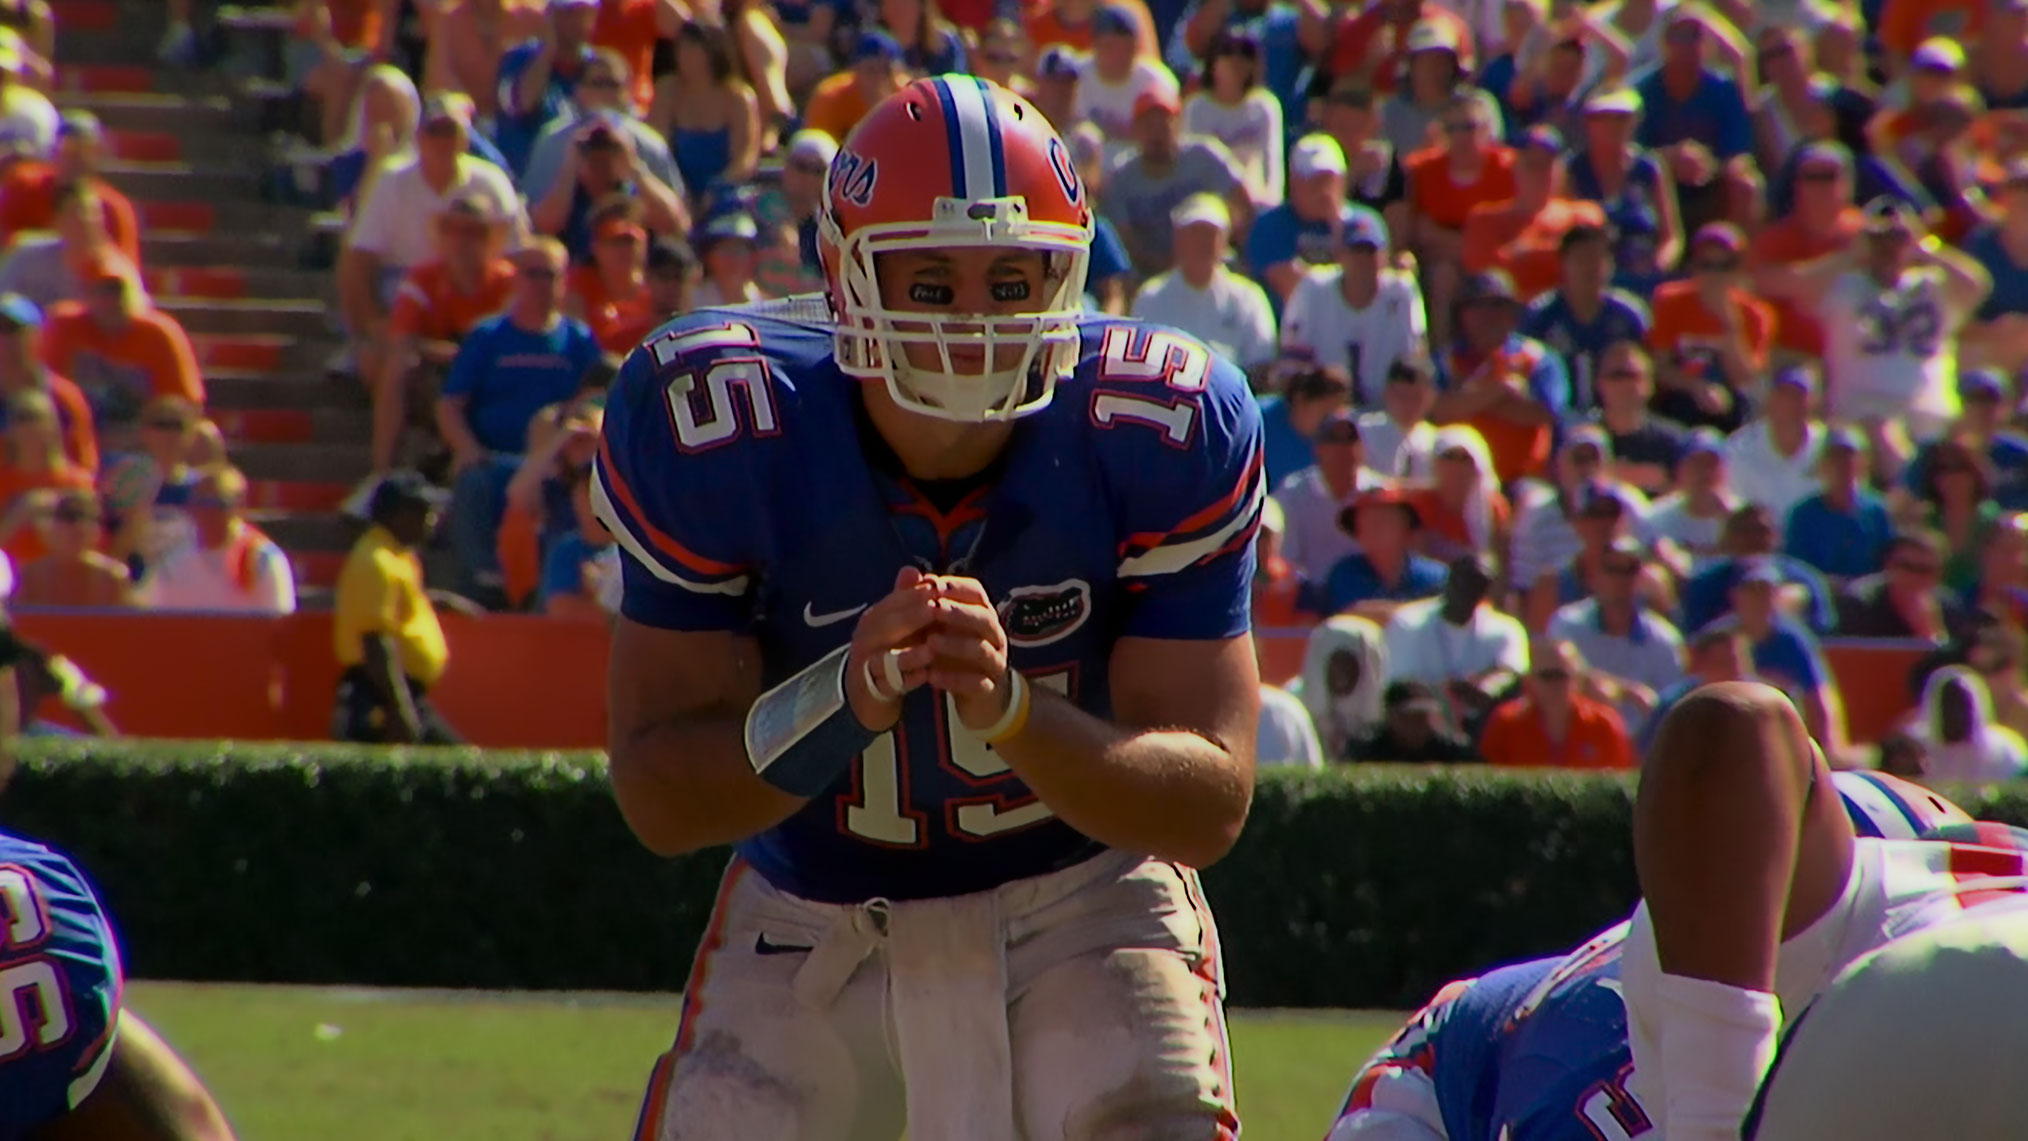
x,y
1634,653
602,94
1603,522
1414,729
1458,642
1957,501
2002,589
32,465
787,216
395,229
1113,80
1432,72
1997,656
1785,654
1307,229
1905,600
1955,724
1315,498
384,629
1793,96
1717,654
74,574
538,78
229,567
1286,737
1696,119
333,41
1902,755
1276,28
1631,185
671,280
1292,417
1711,335
1344,669
540,509
1234,106
147,493
1645,447
1385,571
1748,541
121,352
1164,168
1229,313
437,303
810,28
1523,235
1982,426
1282,595
1554,723
386,112
25,113
1545,535
1555,68
1075,24
1373,168
1775,458
1398,437
1003,50
1445,181
469,42
571,569
33,25
32,192
1056,81
1463,507
602,163
1823,221
48,267
1999,332
41,677
1510,388
726,249
22,370
1692,515
1373,41
610,294
507,370
1585,313
1844,529
1361,316
636,28
840,101
708,112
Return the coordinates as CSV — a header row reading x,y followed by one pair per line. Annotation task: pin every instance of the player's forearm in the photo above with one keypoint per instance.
x,y
1168,793
685,784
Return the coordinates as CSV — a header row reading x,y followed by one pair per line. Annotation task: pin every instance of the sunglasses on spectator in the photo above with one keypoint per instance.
x,y
815,169
1554,675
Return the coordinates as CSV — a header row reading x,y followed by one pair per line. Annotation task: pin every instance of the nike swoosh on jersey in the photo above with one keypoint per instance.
x,y
812,618
763,946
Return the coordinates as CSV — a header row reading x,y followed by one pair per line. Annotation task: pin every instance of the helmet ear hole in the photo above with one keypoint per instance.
x,y
915,110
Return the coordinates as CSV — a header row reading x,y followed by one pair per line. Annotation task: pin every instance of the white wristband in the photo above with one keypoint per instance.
x,y
885,684
1017,698
1716,1043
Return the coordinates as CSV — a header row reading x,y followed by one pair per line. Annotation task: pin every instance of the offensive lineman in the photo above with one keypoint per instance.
x,y
936,608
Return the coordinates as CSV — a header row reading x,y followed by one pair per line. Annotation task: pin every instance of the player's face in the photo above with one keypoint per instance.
x,y
961,281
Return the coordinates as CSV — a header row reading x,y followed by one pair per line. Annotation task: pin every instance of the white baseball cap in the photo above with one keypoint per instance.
x,y
1200,208
1316,154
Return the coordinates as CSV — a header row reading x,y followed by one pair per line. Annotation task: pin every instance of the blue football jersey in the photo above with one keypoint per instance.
x,y
1536,1051
740,477
60,984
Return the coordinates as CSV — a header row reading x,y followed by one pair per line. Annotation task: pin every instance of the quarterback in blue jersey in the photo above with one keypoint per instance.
x,y
72,1063
1538,1051
936,608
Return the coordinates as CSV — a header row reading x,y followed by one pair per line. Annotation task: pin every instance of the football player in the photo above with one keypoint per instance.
x,y
74,1066
1538,1051
1755,894
935,608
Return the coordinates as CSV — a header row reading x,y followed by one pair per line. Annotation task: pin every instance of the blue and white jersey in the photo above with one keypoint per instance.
x,y
60,982
750,494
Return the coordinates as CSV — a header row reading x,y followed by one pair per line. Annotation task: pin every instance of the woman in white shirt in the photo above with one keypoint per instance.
x,y
1237,110
227,567
1965,743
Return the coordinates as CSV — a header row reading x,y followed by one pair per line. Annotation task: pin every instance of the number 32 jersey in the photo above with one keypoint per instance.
x,y
59,987
739,476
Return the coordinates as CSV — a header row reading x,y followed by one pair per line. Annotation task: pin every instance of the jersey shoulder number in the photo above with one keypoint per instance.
x,y
60,981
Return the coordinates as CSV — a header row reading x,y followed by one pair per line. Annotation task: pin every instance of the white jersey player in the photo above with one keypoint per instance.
x,y
1361,316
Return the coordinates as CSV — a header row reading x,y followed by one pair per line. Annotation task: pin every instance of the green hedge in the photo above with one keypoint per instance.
x,y
1362,887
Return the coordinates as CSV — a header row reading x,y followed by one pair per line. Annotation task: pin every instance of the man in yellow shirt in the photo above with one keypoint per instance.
x,y
385,630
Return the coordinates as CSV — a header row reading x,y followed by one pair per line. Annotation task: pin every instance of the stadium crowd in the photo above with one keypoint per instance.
x,y
1602,349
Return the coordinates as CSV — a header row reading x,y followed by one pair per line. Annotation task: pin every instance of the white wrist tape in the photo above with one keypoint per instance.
x,y
1716,1043
885,683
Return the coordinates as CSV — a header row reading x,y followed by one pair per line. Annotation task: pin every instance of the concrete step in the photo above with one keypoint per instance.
x,y
233,246
322,463
214,185
255,390
293,495
233,283
272,425
185,115
74,16
229,149
293,358
297,531
283,318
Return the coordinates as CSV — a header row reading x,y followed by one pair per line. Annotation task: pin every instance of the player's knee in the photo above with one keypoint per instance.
x,y
1722,728
1380,1125
719,1092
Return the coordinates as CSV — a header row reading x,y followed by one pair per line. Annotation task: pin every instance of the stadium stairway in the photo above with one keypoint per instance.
x,y
192,152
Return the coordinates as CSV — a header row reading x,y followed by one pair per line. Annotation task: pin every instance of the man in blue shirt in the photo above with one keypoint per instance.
x,y
1385,572
1982,395
1749,540
1303,231
1290,420
539,77
1785,655
507,369
1697,120
1844,529
1584,313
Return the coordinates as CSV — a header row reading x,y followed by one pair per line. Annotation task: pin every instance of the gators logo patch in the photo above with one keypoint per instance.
x,y
1039,615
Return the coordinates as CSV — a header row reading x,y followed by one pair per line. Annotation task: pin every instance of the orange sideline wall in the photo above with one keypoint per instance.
x,y
519,681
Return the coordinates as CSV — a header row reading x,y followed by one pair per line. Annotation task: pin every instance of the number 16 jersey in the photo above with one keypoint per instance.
x,y
749,494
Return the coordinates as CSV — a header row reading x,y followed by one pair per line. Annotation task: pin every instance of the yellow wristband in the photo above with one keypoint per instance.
x,y
1013,721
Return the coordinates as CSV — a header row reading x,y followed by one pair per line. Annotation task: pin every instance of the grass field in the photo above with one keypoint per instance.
x,y
306,1064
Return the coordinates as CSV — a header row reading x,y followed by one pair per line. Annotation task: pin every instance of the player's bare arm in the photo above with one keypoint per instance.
x,y
147,1094
1170,776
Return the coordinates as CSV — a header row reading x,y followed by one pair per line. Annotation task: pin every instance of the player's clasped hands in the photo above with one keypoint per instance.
x,y
932,629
